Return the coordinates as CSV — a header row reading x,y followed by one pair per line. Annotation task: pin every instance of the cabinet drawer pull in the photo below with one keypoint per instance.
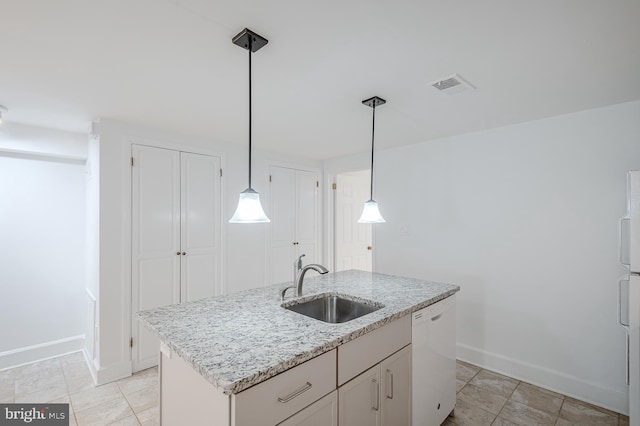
x,y
292,395
375,395
389,384
437,317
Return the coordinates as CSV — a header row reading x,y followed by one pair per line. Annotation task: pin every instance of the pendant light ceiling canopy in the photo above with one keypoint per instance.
x,y
249,209
370,212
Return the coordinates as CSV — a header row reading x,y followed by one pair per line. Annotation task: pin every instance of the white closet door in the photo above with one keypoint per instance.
x,y
200,219
282,215
155,267
353,239
306,215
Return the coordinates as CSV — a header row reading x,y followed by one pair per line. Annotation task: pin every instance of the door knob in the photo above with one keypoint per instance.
x,y
369,248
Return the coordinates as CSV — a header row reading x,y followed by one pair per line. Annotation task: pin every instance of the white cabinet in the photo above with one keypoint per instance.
x,y
380,396
323,412
367,381
359,399
175,241
294,214
395,398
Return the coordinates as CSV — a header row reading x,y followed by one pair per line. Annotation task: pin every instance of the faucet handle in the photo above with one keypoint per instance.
x,y
283,291
298,262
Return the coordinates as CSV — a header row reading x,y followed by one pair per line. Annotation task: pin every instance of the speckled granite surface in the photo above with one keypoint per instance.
x,y
238,340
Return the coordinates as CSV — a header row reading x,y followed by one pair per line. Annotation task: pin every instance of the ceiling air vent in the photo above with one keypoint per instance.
x,y
452,85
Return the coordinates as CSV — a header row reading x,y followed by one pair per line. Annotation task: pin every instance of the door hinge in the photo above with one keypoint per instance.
x,y
220,172
131,342
333,186
131,161
269,178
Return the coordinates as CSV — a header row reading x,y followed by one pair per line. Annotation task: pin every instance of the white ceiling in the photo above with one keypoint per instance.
x,y
171,65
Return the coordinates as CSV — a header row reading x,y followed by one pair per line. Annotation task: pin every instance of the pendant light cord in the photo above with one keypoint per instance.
x,y
373,131
249,112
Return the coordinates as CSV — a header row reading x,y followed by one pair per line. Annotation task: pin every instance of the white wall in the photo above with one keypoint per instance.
x,y
244,244
42,195
525,219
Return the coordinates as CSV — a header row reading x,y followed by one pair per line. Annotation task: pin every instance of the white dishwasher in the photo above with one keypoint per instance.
x,y
433,341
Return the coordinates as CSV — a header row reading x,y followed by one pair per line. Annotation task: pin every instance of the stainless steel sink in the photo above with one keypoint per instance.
x,y
334,308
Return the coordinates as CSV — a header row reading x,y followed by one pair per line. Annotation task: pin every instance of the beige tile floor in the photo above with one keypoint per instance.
x,y
488,398
483,397
130,401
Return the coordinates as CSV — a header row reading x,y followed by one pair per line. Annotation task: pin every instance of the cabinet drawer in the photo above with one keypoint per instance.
x,y
274,400
362,353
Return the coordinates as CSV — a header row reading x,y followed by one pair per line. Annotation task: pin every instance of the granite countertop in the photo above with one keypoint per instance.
x,y
238,340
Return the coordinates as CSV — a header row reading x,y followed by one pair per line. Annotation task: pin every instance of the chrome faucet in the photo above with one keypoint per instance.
x,y
318,268
298,276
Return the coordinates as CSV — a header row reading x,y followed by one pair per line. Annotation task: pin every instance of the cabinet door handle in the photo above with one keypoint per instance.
x,y
389,384
437,317
375,395
296,393
178,253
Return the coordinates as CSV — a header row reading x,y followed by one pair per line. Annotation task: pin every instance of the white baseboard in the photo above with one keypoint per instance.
x,y
42,351
113,372
93,369
553,380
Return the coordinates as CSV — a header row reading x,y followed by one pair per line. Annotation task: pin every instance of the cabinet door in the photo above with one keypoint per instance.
x,y
200,226
359,399
282,215
155,264
323,412
396,389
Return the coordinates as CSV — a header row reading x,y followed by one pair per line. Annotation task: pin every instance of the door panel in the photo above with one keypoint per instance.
x,y
282,226
199,276
282,205
200,231
294,220
353,239
306,207
155,266
283,257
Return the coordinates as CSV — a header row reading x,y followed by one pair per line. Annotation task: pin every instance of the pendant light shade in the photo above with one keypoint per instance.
x,y
370,212
249,209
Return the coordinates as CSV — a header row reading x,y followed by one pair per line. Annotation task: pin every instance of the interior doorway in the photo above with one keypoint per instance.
x,y
353,241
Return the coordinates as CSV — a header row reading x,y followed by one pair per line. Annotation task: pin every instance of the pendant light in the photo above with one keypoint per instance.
x,y
370,213
249,208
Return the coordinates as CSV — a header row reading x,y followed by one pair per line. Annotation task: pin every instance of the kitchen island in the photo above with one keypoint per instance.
x,y
232,345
